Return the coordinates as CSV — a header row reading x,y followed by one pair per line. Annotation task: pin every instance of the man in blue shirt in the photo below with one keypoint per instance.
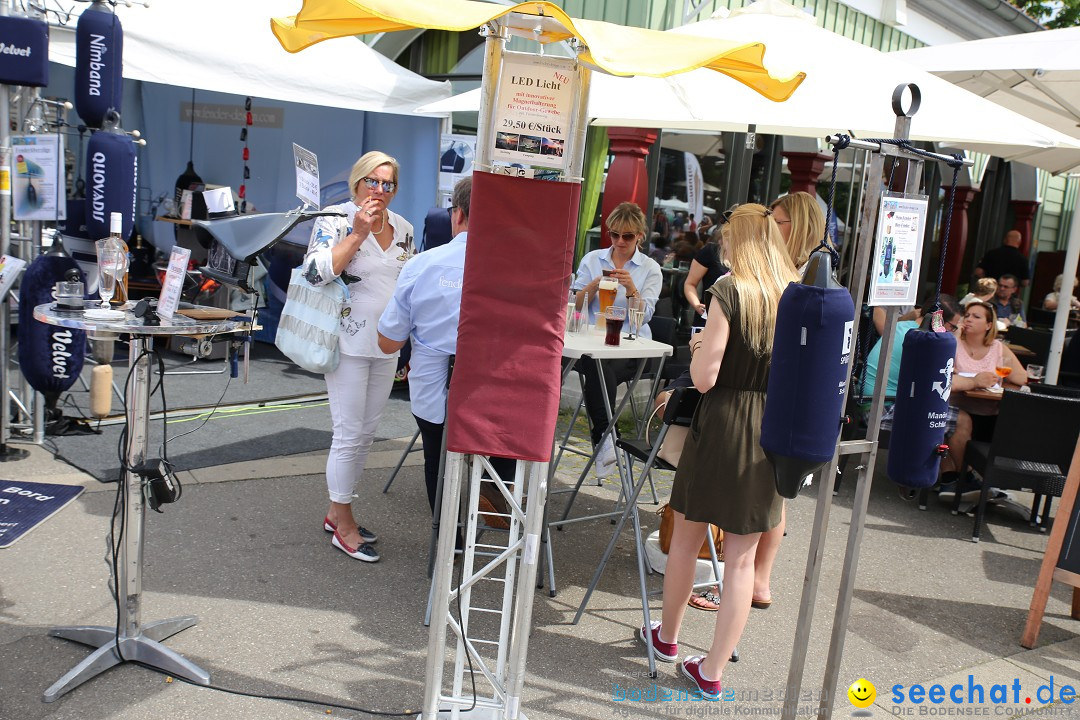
x,y
1007,302
425,309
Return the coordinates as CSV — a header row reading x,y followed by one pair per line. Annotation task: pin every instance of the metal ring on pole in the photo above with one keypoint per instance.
x,y
898,98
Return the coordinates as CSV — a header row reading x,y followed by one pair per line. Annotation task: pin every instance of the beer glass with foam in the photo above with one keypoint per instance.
x,y
609,288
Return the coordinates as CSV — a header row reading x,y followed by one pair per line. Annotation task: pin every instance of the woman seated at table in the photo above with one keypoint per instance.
x,y
1050,302
639,276
980,359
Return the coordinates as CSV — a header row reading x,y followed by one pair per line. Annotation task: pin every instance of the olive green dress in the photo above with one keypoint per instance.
x,y
723,477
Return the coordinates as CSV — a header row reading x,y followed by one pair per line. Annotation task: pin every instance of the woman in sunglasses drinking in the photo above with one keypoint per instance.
x,y
613,276
367,249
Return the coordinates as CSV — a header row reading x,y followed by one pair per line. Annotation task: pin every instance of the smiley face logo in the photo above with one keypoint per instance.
x,y
862,693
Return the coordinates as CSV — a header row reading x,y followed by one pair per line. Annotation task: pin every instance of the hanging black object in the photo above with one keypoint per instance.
x,y
112,169
99,64
26,58
189,179
923,388
811,352
50,357
922,408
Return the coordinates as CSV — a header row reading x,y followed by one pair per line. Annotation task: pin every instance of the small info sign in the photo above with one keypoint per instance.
x,y
534,109
894,268
307,176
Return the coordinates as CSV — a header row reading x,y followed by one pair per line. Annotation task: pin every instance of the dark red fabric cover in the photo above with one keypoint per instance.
x,y
504,395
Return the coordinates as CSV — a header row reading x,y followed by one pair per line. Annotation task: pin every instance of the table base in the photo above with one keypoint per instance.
x,y
145,648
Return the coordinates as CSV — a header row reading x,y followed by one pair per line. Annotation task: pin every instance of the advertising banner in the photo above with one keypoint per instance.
x,y
894,276
35,180
533,111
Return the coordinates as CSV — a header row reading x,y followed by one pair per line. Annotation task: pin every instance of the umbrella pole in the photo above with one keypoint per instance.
x,y
1068,278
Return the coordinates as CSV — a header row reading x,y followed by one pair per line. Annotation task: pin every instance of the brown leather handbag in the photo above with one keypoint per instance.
x,y
667,525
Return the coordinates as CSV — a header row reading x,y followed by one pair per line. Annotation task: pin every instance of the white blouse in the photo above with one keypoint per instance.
x,y
370,275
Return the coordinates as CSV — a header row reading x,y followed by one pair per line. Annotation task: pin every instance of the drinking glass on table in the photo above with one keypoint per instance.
x,y
635,313
1035,373
1002,373
614,317
110,262
609,288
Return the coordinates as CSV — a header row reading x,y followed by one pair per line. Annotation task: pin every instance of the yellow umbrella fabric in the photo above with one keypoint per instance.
x,y
615,49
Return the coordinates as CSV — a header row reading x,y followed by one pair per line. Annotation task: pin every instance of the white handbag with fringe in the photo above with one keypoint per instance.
x,y
308,329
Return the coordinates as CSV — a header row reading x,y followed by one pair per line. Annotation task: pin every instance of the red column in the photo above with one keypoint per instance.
x,y
627,179
805,169
958,232
1024,210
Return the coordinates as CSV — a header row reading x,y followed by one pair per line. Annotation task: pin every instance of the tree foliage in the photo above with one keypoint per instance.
x,y
1054,14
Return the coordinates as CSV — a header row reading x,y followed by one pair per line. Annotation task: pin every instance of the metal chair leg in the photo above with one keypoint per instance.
x,y
411,447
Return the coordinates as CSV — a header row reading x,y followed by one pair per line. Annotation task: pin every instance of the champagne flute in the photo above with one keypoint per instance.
x,y
109,261
636,315
1002,373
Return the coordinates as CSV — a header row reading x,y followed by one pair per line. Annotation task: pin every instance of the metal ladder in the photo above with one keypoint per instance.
x,y
488,608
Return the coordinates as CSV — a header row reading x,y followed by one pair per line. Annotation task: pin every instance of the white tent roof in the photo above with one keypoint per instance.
x,y
227,46
1035,74
848,86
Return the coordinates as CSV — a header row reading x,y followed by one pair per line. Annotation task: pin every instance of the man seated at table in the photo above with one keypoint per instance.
x,y
1007,303
958,424
425,309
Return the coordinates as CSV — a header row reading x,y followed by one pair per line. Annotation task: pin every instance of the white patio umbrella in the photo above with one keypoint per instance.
x,y
225,47
848,86
1038,76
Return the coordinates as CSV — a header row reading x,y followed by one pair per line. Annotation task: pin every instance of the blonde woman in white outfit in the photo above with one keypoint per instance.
x,y
367,249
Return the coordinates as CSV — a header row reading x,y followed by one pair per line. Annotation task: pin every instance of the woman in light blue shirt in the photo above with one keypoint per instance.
x,y
638,275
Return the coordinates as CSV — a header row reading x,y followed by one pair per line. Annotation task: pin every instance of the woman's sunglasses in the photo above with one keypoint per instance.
x,y
625,237
388,186
726,215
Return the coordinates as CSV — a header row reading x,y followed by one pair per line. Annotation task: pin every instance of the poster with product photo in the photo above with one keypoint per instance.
x,y
456,155
36,177
534,109
894,267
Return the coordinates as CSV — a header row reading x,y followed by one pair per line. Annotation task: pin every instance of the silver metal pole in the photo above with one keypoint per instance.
x,y
816,550
1068,277
129,577
5,247
444,568
576,164
39,399
526,587
862,492
494,47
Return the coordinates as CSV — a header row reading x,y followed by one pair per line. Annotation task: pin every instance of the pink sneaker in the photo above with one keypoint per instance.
x,y
691,668
665,651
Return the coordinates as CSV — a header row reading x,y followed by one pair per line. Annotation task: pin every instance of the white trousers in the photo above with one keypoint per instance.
x,y
358,391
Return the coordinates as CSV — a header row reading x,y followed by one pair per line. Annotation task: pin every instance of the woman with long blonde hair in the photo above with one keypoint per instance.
x,y
723,477
801,223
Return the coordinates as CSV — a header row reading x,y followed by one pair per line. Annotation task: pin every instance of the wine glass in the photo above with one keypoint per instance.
x,y
1002,373
635,313
109,262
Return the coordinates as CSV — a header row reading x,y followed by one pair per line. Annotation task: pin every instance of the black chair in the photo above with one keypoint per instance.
x,y
1033,445
1055,390
1038,317
1037,341
663,330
